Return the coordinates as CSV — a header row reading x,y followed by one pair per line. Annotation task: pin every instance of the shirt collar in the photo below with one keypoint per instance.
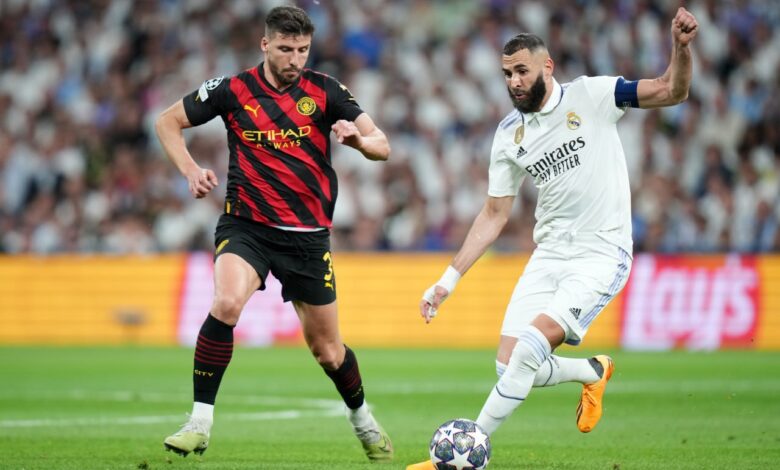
x,y
552,102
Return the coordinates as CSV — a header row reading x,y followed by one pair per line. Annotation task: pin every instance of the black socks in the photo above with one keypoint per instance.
x,y
212,356
348,381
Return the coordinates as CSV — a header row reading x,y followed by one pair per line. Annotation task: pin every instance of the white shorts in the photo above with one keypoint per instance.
x,y
571,282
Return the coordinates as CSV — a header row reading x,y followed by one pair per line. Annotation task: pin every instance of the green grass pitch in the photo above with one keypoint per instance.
x,y
110,408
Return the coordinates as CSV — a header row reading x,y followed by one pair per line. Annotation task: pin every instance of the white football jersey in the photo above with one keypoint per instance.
x,y
572,152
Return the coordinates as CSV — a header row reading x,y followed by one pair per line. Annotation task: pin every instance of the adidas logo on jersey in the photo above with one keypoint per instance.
x,y
520,152
576,312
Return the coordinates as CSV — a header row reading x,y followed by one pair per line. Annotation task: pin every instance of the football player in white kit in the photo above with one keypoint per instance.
x,y
563,137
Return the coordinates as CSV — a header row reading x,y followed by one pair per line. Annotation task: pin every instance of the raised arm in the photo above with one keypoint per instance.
x,y
483,232
364,136
672,87
169,130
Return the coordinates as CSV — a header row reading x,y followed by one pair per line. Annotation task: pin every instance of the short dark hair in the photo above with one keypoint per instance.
x,y
528,41
289,21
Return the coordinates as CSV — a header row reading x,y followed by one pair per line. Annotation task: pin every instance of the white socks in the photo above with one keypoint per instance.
x,y
557,369
530,352
360,417
203,412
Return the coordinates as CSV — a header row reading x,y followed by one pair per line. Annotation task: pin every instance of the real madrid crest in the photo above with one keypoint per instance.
x,y
306,106
519,133
573,121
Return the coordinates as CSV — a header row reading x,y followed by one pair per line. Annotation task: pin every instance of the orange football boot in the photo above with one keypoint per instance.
x,y
589,410
427,465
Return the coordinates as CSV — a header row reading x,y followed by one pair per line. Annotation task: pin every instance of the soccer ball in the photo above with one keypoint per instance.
x,y
460,444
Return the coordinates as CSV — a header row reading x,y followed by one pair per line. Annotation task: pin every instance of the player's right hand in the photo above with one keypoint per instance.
x,y
201,182
431,300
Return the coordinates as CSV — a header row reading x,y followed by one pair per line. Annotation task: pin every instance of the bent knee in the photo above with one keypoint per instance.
x,y
329,357
227,309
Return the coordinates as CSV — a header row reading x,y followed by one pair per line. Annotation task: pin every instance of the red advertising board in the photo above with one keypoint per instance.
x,y
265,320
692,302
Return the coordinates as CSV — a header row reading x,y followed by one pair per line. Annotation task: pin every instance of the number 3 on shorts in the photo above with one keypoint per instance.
x,y
329,275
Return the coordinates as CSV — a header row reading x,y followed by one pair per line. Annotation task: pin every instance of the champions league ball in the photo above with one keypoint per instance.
x,y
460,444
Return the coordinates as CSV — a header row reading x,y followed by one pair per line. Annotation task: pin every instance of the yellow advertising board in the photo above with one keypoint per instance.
x,y
379,298
89,299
768,334
692,302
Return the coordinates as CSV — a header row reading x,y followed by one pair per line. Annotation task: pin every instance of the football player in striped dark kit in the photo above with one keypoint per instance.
x,y
281,191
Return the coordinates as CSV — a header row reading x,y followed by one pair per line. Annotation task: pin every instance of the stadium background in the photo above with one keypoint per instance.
x,y
103,244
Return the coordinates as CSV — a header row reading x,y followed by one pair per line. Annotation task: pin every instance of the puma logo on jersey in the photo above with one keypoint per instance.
x,y
254,110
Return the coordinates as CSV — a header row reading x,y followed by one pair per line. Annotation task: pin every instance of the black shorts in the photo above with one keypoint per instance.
x,y
301,261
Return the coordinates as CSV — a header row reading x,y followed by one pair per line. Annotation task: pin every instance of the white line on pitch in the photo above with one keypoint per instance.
x,y
152,397
616,386
133,420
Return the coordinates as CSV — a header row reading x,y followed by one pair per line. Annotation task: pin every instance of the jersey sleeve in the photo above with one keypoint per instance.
x,y
504,175
341,103
208,101
605,95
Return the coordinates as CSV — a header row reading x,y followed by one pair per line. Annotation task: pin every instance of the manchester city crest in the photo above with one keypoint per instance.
x,y
306,106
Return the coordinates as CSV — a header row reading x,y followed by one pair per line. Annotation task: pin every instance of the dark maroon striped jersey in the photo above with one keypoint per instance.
x,y
280,171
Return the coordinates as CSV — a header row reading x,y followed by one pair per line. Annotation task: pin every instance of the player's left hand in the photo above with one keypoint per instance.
x,y
684,27
347,133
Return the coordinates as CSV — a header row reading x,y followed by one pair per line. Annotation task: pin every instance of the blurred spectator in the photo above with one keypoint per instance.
x,y
82,82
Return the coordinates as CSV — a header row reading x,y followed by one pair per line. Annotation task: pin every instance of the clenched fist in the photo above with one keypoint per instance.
x,y
684,27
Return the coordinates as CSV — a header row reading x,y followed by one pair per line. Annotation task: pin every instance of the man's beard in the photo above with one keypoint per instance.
x,y
533,99
283,77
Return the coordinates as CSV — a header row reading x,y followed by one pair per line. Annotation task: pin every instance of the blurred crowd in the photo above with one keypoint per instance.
x,y
81,83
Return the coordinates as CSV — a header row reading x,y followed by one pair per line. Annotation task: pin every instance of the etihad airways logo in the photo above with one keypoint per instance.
x,y
278,139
